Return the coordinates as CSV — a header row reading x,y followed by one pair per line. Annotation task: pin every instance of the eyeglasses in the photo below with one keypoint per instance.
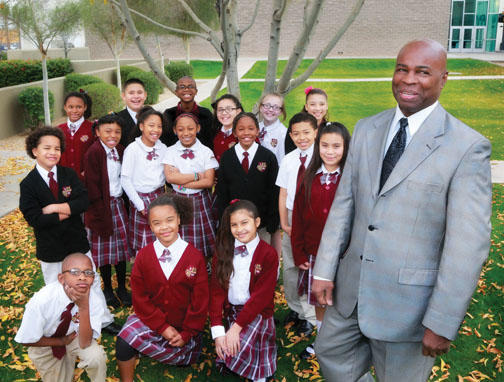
x,y
267,106
184,87
78,272
228,110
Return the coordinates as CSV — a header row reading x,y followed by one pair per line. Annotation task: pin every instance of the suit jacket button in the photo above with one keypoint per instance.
x,y
371,227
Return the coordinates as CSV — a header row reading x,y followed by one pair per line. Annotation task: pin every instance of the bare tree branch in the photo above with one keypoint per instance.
x,y
220,81
256,10
330,45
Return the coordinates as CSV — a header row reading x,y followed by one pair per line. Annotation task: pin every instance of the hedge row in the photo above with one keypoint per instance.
x,y
15,72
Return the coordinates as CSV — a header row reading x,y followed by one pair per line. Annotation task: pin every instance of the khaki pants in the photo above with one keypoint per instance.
x,y
92,359
290,279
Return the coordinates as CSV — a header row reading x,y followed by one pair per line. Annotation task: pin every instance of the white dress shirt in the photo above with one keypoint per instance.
x,y
133,114
114,171
324,171
204,159
287,174
239,282
42,314
77,125
139,174
176,250
274,139
239,150
45,174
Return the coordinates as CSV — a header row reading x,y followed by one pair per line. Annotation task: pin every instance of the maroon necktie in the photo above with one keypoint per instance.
x,y
245,162
112,155
61,330
53,185
241,250
301,170
262,134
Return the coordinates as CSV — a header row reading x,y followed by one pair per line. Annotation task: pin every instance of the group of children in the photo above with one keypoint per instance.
x,y
199,199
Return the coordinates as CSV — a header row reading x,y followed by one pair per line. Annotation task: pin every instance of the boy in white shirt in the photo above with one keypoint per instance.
x,y
62,322
303,130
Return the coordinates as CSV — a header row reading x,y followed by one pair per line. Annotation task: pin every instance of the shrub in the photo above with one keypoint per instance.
x,y
3,55
126,70
177,70
152,85
106,98
15,72
32,100
75,81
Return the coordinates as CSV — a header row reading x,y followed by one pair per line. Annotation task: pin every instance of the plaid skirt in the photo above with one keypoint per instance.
x,y
148,342
201,232
258,351
140,233
115,248
305,281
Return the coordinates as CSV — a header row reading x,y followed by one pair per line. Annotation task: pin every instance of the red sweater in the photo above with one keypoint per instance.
x,y
98,217
76,146
222,143
181,301
308,220
263,277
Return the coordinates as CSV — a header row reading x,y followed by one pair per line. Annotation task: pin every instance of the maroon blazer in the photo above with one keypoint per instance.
x,y
98,217
263,277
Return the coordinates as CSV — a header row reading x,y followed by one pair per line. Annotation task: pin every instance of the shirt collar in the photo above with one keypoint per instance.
x,y
175,247
132,113
323,170
195,146
77,123
414,120
146,148
251,245
308,151
251,150
44,173
106,148
226,131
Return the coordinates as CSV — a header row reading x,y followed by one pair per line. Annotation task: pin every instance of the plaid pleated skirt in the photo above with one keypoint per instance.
x,y
140,233
201,232
115,248
305,281
258,351
152,344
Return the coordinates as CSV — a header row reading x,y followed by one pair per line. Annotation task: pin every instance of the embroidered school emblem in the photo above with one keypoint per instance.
x,y
258,269
231,144
190,272
84,138
261,166
274,142
66,191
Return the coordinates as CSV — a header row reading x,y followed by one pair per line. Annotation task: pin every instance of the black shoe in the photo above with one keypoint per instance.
x,y
307,353
111,299
124,296
305,328
292,316
112,329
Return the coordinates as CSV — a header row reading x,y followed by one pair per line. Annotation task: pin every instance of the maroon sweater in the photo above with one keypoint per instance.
x,y
222,143
76,146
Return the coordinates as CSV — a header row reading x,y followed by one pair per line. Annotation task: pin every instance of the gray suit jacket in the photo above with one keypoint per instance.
x,y
410,255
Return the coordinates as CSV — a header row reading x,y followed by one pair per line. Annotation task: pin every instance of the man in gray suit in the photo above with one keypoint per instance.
x,y
407,234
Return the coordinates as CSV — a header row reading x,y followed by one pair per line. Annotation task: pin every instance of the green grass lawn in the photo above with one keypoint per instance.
x,y
204,69
373,68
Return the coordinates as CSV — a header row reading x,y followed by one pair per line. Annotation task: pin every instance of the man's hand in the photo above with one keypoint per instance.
x,y
433,344
323,290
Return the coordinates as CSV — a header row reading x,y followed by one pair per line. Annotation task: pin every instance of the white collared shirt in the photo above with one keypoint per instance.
x,y
42,314
114,171
77,124
176,250
133,114
323,170
239,282
239,150
138,174
204,159
287,174
45,174
414,123
226,132
274,139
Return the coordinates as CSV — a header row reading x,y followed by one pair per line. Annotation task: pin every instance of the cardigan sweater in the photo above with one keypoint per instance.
x,y
258,185
55,239
263,277
222,143
76,146
308,220
181,301
98,217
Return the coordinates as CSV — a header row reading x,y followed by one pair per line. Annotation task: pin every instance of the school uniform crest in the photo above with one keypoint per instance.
x,y
66,191
274,142
257,269
75,318
190,272
84,138
261,166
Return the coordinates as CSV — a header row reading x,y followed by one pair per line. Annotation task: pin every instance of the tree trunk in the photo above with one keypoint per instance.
x,y
231,41
6,28
275,27
161,55
187,46
45,91
118,71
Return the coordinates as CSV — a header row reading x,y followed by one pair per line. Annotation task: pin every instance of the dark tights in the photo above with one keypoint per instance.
x,y
124,352
106,274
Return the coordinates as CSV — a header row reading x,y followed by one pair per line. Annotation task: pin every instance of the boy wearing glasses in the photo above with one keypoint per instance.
x,y
62,322
186,90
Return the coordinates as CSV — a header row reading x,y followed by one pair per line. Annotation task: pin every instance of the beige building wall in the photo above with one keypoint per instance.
x,y
380,29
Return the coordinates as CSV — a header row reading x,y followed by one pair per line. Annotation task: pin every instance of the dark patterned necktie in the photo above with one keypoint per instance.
x,y
165,257
53,185
188,153
245,162
329,178
262,134
301,169
152,155
112,155
394,151
73,129
241,250
61,330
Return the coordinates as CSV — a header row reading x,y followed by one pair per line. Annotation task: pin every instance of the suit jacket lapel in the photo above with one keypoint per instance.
x,y
424,142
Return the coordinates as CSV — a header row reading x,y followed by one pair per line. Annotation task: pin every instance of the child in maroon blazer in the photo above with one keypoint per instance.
x,y
169,285
312,204
244,276
78,131
106,217
226,108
